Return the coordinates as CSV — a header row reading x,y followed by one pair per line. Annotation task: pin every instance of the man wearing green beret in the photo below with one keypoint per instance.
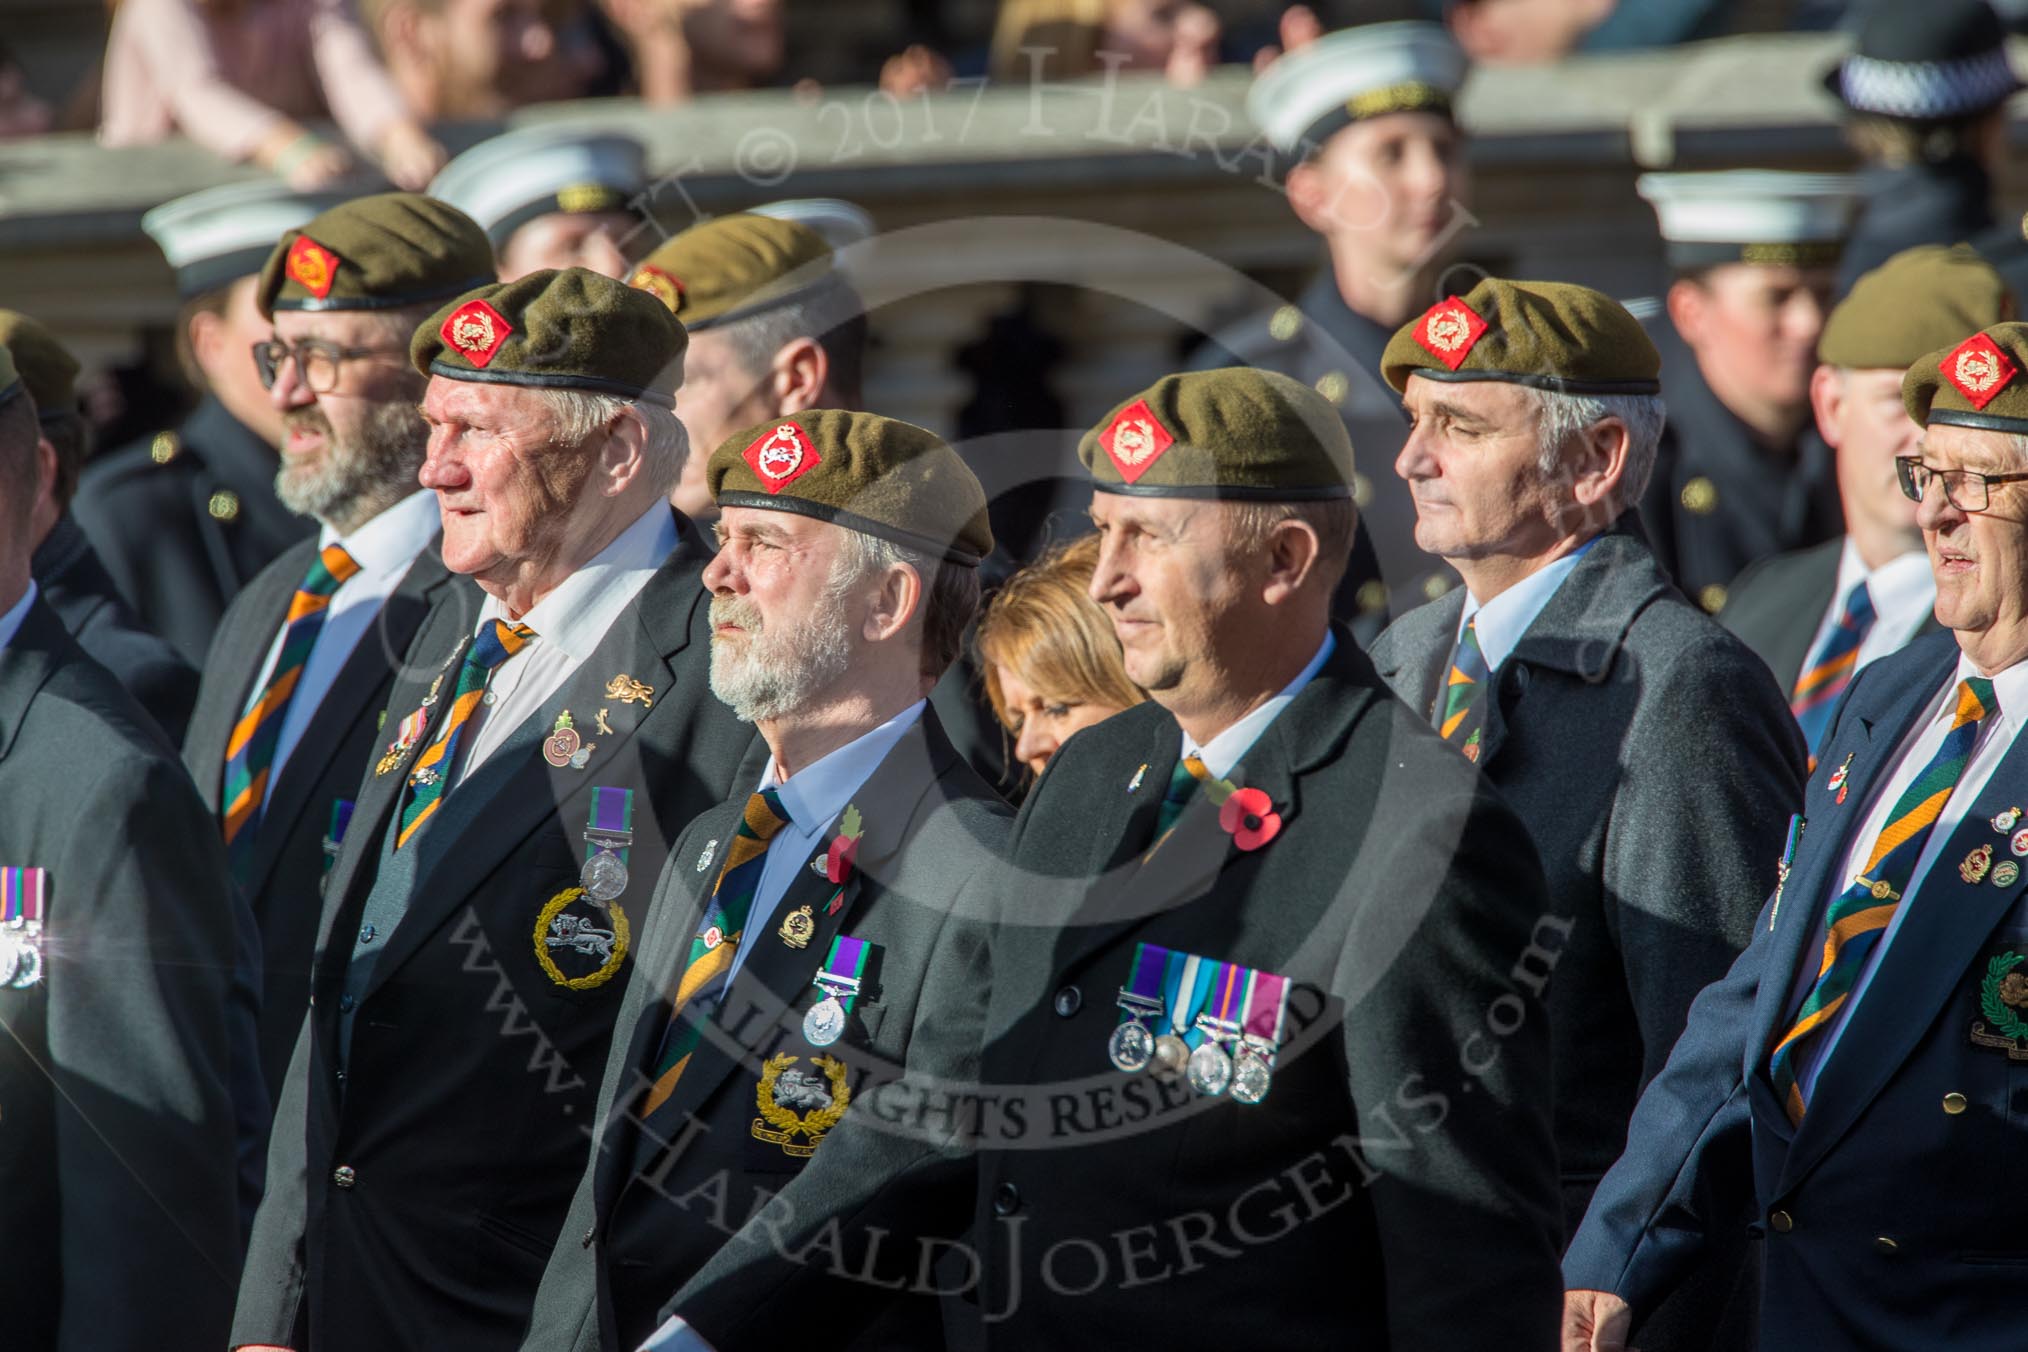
x,y
305,655
1816,616
775,328
116,946
802,927
1648,751
1852,1087
1249,1050
68,572
543,741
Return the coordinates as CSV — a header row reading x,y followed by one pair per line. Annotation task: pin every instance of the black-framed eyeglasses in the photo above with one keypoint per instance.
x,y
317,361
1965,489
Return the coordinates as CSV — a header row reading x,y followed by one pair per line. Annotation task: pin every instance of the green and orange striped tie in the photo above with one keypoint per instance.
x,y
496,643
716,943
1458,707
250,750
1860,914
1821,683
1183,782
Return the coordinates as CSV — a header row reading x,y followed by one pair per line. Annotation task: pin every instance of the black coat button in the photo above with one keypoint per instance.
x,y
1006,1200
1069,1000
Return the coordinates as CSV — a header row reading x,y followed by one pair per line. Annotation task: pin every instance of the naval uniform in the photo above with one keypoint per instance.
x,y
1947,203
183,520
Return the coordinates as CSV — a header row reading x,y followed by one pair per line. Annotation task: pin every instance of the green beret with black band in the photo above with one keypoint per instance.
x,y
46,367
733,266
1918,301
1236,434
1976,383
376,253
1546,335
569,329
875,475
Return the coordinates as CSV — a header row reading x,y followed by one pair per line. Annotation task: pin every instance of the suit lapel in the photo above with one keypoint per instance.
x,y
26,664
1414,656
239,665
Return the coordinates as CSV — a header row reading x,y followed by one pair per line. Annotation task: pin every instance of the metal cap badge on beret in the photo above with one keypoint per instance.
x,y
1976,383
507,181
46,368
1546,335
1236,434
875,475
733,266
1918,301
376,253
1367,70
1933,61
569,329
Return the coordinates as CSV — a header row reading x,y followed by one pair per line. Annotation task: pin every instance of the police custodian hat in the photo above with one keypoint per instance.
x,y
878,476
1918,301
556,329
1548,335
730,267
1977,383
376,253
1236,434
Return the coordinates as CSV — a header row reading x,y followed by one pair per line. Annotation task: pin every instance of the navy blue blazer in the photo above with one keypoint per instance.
x,y
1891,1215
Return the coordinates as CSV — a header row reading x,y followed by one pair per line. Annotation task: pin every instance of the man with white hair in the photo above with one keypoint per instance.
x,y
1649,752
537,759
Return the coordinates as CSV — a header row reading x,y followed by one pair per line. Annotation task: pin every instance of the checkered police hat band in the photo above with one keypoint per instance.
x,y
1928,89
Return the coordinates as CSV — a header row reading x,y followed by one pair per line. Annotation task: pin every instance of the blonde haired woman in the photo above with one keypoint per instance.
x,y
1051,662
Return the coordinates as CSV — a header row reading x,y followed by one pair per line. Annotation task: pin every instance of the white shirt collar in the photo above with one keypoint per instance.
x,y
2010,688
1504,619
575,617
392,539
1903,589
1222,752
10,623
818,792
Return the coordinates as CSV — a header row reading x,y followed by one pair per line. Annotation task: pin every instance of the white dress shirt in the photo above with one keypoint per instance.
x,y
1224,751
384,548
1996,736
569,625
1505,618
1903,591
10,623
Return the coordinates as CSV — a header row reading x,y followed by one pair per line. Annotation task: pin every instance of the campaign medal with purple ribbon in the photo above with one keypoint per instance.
x,y
842,972
1267,1004
1210,1067
607,836
1132,1044
341,817
24,896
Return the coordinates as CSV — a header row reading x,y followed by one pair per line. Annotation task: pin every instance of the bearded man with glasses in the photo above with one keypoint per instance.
x,y
288,720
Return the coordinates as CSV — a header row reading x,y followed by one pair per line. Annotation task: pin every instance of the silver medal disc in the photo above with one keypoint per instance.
x,y
1210,1070
1250,1076
825,1022
11,949
1131,1047
29,969
603,876
1172,1056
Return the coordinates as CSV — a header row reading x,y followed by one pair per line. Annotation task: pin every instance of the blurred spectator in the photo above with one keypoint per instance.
x,y
1176,37
478,59
550,197
240,76
682,48
21,113
1527,32
1051,661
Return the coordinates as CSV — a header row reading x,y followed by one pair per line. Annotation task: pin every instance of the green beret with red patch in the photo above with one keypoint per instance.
x,y
1237,434
376,253
1548,335
730,267
1977,383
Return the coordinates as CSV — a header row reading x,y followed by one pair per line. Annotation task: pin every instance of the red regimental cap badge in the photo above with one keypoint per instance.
x,y
1978,370
311,266
660,284
782,456
1448,330
1135,440
476,330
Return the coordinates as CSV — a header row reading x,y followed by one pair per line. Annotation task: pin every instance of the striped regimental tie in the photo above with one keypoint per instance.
x,y
1458,708
426,782
1859,915
1831,669
1183,782
250,751
717,943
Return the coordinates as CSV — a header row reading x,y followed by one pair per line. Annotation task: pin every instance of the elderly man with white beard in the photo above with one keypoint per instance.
x,y
802,928
540,749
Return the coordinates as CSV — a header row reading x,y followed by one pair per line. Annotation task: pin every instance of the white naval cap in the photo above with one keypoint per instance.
x,y
1354,73
1751,216
222,234
508,181
840,222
